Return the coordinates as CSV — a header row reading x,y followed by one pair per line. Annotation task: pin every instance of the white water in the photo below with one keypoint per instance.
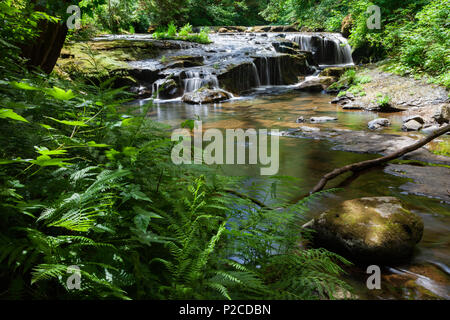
x,y
233,49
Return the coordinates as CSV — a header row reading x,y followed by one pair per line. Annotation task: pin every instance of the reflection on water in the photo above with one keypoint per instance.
x,y
427,276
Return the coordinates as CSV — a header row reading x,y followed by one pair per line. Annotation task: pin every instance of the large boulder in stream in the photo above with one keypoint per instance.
x,y
374,230
206,95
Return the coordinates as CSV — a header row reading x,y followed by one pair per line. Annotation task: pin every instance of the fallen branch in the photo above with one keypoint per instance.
x,y
375,162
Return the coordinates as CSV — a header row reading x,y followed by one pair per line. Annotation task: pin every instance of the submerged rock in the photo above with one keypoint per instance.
x,y
322,119
352,106
379,123
300,120
206,95
308,129
369,229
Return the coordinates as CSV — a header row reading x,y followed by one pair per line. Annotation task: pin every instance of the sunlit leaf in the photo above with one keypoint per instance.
x,y
70,123
60,94
8,113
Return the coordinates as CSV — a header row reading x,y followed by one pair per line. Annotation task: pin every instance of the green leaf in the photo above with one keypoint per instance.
x,y
188,124
97,145
23,86
46,161
8,113
70,123
46,152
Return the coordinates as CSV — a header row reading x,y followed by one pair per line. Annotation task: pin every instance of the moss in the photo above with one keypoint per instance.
x,y
100,58
419,163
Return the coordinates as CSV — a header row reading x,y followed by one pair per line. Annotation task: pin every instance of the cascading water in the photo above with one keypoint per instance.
x,y
269,70
256,75
327,49
240,63
195,79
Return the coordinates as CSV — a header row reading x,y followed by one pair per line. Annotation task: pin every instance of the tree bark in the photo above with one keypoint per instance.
x,y
375,162
44,52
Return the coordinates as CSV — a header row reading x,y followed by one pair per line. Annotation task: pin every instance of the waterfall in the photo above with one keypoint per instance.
x,y
269,70
329,49
199,78
256,75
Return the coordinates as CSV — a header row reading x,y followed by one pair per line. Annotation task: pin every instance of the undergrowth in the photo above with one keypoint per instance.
x,y
87,182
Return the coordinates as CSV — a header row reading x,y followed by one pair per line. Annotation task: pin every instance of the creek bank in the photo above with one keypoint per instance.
x,y
429,181
371,230
401,94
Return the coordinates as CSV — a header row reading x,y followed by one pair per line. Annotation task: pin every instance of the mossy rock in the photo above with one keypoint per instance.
x,y
375,230
335,71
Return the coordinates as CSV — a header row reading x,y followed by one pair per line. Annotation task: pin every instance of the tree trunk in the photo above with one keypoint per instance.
x,y
45,51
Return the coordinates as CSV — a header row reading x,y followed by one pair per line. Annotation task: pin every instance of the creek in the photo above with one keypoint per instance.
x,y
261,73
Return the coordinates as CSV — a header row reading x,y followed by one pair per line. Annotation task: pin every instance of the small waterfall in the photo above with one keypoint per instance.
x,y
330,49
269,70
199,78
155,87
256,75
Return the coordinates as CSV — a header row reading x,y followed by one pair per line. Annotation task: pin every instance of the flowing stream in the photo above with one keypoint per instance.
x,y
266,101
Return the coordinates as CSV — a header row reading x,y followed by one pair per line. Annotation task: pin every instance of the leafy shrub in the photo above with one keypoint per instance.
x,y
171,30
185,30
383,101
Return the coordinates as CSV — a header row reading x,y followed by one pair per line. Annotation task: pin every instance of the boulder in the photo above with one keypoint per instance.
x,y
375,230
300,120
379,123
412,125
416,118
334,71
442,114
313,85
343,99
167,89
206,95
284,68
239,77
327,81
261,29
185,61
317,84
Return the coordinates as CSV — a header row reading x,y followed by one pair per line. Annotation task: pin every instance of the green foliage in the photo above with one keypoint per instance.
x,y
352,82
383,101
86,185
185,30
414,33
85,182
443,148
185,34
